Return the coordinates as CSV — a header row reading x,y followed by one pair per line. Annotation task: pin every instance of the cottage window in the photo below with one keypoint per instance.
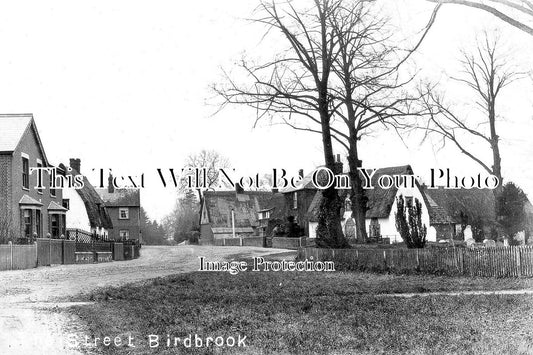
x,y
295,200
66,203
375,229
63,225
27,223
25,173
54,225
52,190
124,234
348,205
123,213
264,215
38,223
39,165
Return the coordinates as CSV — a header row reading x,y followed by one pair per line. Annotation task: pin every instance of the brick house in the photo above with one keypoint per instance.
x,y
26,211
298,200
303,198
124,209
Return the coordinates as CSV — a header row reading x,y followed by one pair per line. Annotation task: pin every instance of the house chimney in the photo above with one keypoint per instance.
x,y
75,164
338,165
239,189
301,173
110,186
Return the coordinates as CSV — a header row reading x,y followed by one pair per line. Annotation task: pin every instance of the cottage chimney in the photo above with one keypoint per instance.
x,y
110,186
75,164
239,189
301,173
338,166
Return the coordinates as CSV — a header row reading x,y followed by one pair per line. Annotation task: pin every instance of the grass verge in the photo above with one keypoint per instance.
x,y
315,313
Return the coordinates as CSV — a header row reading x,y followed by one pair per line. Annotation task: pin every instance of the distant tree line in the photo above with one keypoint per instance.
x,y
153,233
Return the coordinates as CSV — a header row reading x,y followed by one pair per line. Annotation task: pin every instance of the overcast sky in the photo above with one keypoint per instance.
x,y
125,85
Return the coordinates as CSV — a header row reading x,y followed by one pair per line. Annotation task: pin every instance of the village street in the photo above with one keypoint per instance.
x,y
29,299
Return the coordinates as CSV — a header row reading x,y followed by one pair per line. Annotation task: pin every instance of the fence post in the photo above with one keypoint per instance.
x,y
240,241
11,254
417,259
462,256
518,262
50,251
385,258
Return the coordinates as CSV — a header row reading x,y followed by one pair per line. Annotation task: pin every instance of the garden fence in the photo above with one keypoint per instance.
x,y
46,252
18,257
513,261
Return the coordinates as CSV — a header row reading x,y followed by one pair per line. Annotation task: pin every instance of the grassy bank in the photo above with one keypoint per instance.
x,y
305,313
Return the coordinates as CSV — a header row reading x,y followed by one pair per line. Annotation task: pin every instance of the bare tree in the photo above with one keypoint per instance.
x,y
294,87
486,72
517,13
7,228
340,79
372,92
209,160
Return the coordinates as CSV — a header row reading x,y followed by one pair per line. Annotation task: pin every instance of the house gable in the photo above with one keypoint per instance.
x,y
20,150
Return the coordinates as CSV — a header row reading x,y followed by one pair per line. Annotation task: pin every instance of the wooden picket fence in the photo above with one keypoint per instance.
x,y
18,257
514,261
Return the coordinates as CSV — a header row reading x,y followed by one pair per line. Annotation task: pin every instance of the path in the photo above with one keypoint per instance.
x,y
29,323
458,293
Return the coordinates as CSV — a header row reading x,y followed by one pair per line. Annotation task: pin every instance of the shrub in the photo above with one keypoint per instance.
x,y
193,237
409,223
477,230
511,211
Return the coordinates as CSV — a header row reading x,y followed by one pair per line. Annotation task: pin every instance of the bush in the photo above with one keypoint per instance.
x,y
193,237
478,230
409,223
511,211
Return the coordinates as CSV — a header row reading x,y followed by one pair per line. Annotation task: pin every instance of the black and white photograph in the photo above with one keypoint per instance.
x,y
266,177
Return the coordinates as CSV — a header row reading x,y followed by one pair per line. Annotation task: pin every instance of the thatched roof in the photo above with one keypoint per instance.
x,y
380,200
245,205
277,205
437,213
95,206
459,203
121,197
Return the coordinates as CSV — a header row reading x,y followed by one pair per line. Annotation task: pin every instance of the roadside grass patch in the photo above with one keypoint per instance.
x,y
315,313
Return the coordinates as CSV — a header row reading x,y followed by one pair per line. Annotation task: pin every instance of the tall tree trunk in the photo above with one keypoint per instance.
x,y
494,142
496,158
358,197
329,230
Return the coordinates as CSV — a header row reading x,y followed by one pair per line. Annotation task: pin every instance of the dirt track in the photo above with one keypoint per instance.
x,y
28,298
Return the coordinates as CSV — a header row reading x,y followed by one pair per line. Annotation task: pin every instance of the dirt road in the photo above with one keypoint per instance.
x,y
29,299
